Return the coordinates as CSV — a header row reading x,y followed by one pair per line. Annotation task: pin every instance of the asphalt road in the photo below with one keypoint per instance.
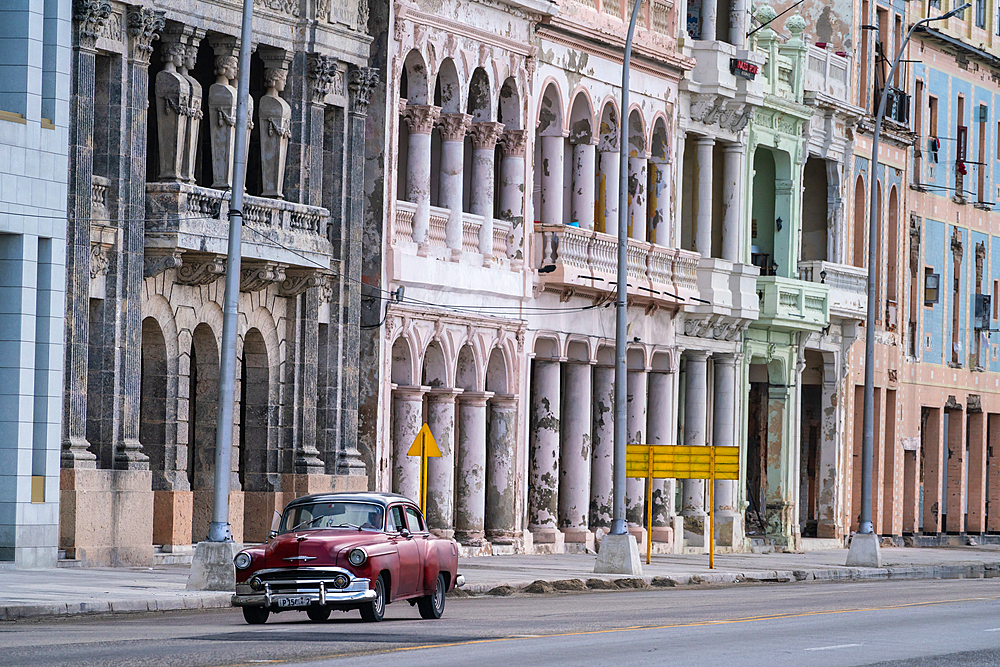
x,y
955,622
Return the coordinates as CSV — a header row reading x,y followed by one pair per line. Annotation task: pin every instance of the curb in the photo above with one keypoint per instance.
x,y
969,571
220,600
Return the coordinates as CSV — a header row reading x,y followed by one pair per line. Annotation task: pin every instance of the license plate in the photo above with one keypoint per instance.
x,y
297,601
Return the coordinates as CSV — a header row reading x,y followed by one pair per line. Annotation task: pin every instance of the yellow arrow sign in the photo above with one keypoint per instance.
x,y
424,446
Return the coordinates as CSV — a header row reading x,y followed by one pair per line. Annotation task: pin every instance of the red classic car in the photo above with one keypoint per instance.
x,y
346,551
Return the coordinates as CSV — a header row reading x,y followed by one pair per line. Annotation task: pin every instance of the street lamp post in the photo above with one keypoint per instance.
x,y
619,552
864,549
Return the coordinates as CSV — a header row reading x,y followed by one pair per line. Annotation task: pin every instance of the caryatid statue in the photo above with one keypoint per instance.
x,y
173,94
194,112
275,131
222,118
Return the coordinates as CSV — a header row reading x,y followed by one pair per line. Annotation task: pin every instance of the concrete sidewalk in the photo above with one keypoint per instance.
x,y
39,594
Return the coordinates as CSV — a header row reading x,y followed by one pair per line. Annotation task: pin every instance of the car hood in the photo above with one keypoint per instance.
x,y
312,548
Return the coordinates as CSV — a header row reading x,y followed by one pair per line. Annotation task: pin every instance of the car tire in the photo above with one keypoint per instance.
x,y
372,612
318,614
432,606
255,615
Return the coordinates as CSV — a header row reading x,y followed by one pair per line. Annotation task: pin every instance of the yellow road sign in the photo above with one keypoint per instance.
x,y
709,462
424,446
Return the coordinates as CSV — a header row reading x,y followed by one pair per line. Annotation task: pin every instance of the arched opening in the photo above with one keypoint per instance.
x,y
412,90
859,223
581,135
893,249
549,149
496,373
254,408
479,106
607,172
447,96
504,176
203,396
434,373
466,370
153,402
762,220
658,188
402,363
815,207
637,176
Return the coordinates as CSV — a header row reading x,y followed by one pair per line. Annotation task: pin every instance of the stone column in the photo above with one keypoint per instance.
x,y
703,222
609,185
407,419
275,115
677,205
658,204
601,470
955,471
470,466
584,166
453,127
732,203
737,23
828,525
306,158
441,470
512,147
484,142
709,17
420,119
173,101
543,473
193,112
501,441
307,455
781,522
977,473
89,19
552,180
575,455
727,515
658,424
637,198
695,433
635,489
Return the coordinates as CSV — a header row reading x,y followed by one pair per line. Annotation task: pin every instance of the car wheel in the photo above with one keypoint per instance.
x,y
432,606
318,614
373,611
255,615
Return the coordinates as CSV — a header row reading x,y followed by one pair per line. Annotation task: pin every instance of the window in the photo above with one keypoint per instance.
x,y
981,166
981,14
918,128
863,61
996,299
932,286
413,521
395,521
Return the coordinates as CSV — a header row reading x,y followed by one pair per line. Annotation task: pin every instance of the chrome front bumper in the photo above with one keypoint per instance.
x,y
296,593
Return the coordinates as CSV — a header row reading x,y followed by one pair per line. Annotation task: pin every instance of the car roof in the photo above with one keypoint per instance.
x,y
380,498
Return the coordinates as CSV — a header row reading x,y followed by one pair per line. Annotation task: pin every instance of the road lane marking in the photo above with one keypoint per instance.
x,y
992,630
830,648
695,624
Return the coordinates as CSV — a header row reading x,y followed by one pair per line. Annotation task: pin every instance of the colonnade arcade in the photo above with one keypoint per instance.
x,y
459,377
571,439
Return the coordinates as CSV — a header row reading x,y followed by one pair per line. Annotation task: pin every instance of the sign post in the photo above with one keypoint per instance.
x,y
424,445
682,462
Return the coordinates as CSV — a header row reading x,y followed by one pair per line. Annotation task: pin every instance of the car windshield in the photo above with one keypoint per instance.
x,y
337,514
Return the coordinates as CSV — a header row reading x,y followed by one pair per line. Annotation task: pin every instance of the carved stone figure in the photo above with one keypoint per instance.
x,y
222,115
194,112
173,93
275,131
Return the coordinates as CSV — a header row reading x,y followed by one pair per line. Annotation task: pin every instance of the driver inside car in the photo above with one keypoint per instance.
x,y
374,521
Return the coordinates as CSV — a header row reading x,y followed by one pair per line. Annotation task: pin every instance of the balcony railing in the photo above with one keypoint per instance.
x,y
827,73
589,259
472,243
791,304
848,286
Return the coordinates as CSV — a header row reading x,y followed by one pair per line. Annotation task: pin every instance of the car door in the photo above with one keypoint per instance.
x,y
415,524
408,575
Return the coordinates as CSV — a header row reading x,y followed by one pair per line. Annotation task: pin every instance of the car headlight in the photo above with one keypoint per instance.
x,y
357,557
242,560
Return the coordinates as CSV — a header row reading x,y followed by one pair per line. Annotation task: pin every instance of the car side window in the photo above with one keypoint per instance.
x,y
413,521
396,522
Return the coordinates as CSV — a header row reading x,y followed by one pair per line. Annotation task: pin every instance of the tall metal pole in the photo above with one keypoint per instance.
x,y
874,245
218,530
619,527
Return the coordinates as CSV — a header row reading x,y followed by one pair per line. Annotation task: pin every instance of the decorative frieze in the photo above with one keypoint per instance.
x,y
290,7
100,261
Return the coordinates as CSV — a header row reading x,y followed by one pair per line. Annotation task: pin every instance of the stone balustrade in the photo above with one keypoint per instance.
x,y
827,73
848,286
589,259
471,251
187,217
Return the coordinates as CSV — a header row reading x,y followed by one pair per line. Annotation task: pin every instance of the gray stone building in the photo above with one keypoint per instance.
x,y
34,126
151,149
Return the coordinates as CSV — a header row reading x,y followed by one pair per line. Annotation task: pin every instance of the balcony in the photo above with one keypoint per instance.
x,y
793,305
826,73
473,243
585,260
848,287
188,218
714,76
729,289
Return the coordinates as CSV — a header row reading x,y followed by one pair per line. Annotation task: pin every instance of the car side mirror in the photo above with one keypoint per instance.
x,y
273,534
404,533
